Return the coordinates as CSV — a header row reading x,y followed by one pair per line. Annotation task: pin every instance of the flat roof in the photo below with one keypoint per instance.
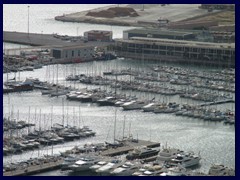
x,y
98,31
72,47
159,31
180,42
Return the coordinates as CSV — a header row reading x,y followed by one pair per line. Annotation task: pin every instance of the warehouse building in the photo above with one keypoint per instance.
x,y
159,33
143,48
96,35
72,54
218,6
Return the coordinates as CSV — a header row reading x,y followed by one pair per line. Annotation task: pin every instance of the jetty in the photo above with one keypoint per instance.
x,y
48,40
217,102
129,146
35,169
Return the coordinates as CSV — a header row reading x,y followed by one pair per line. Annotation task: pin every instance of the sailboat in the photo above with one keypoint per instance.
x,y
58,92
115,143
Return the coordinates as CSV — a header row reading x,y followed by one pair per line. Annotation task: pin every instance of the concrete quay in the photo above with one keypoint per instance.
x,y
129,146
148,14
34,169
49,40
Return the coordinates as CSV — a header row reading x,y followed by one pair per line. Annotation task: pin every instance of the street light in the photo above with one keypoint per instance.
x,y
77,30
28,20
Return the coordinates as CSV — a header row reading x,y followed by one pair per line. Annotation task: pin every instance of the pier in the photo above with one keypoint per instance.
x,y
217,102
129,146
35,169
51,40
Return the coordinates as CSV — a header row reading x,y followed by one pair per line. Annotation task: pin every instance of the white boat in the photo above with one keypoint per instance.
x,y
221,170
83,164
98,165
106,169
58,93
185,160
149,107
133,105
68,161
174,171
127,169
160,109
166,154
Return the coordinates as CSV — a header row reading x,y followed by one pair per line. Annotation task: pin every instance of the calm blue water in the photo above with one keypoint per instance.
x,y
215,141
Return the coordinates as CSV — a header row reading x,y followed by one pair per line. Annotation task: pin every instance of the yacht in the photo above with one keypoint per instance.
x,y
221,170
68,161
167,154
127,169
185,160
142,153
174,171
83,164
98,165
108,101
106,169
149,107
133,105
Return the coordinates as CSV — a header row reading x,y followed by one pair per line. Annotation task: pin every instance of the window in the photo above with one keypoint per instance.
x,y
72,53
78,52
57,54
66,55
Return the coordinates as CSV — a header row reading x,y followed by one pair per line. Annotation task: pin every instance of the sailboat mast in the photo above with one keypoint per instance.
x,y
115,120
79,120
18,120
29,118
40,121
7,63
129,129
51,115
67,113
57,79
63,111
124,125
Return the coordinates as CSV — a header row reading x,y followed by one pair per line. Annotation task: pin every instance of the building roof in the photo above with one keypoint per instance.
x,y
180,42
98,32
157,31
72,47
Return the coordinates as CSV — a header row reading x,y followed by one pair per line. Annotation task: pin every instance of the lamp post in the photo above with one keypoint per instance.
x,y
28,20
77,30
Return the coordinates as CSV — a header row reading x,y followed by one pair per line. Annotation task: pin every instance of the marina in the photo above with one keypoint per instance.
x,y
118,101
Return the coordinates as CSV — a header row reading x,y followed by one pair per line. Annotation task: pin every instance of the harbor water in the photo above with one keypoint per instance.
x,y
214,140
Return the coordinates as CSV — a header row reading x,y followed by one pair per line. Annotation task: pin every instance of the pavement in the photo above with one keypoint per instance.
x,y
47,40
151,13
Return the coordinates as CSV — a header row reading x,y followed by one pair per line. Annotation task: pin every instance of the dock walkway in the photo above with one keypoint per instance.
x,y
34,169
129,146
35,39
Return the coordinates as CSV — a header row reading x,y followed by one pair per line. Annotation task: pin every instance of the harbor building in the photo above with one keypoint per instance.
x,y
97,35
195,52
159,33
72,54
218,6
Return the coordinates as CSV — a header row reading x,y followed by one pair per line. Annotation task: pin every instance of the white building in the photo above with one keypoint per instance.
x,y
72,54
